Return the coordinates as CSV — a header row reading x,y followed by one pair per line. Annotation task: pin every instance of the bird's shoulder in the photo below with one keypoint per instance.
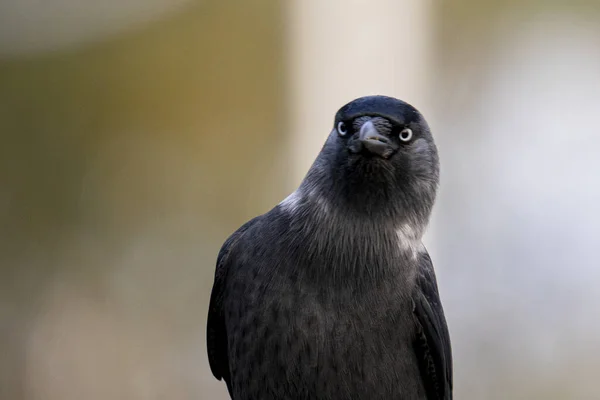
x,y
216,335
260,230
238,249
432,343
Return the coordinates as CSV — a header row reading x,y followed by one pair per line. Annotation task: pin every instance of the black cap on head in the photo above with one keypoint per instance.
x,y
396,111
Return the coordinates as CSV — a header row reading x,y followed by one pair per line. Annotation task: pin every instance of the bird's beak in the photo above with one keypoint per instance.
x,y
373,142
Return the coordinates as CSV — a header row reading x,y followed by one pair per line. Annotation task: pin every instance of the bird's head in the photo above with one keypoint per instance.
x,y
379,160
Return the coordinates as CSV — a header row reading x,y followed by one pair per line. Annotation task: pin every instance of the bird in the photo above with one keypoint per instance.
x,y
331,294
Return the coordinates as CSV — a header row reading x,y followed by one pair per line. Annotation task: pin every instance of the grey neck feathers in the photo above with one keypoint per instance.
x,y
356,245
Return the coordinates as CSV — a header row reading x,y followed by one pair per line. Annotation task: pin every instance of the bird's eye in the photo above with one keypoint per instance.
x,y
341,128
406,134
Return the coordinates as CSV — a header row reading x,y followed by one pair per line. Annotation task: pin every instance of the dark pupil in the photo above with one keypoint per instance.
x,y
404,134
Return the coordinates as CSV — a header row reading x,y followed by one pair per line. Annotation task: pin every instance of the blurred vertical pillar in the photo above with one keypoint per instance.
x,y
339,50
343,49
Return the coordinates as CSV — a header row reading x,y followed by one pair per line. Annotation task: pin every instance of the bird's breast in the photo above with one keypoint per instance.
x,y
296,339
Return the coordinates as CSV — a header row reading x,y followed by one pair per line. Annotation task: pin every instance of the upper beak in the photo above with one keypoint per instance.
x,y
374,142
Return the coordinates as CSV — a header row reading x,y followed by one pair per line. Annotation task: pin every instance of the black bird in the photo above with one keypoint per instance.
x,y
331,294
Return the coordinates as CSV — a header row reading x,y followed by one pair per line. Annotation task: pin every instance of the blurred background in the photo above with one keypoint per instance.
x,y
136,136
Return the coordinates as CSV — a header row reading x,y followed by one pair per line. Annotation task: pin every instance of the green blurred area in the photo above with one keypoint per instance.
x,y
124,164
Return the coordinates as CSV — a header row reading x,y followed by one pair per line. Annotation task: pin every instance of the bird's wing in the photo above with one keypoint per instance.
x,y
216,334
432,343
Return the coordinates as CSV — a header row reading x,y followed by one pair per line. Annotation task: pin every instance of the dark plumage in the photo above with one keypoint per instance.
x,y
331,294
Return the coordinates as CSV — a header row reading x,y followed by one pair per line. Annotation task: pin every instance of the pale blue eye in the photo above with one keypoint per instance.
x,y
341,128
406,134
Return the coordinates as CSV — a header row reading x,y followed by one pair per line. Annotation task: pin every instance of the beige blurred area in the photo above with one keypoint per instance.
x,y
124,164
136,136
